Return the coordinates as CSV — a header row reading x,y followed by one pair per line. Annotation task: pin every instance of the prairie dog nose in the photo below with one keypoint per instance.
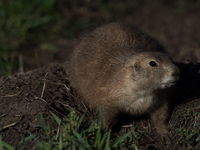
x,y
176,71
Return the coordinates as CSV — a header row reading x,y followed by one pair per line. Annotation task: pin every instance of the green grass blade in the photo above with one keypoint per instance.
x,y
136,148
82,148
38,126
60,142
197,139
91,127
50,144
107,147
79,122
79,137
73,148
120,139
1,144
7,146
29,132
42,123
58,120
98,135
98,138
26,139
40,145
102,140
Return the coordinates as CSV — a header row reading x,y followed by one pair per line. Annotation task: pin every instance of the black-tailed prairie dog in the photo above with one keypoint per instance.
x,y
124,70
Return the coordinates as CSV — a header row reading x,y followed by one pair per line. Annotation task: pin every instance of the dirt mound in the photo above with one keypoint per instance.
x,y
23,97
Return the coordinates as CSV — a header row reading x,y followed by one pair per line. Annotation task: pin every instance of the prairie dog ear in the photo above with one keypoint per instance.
x,y
136,66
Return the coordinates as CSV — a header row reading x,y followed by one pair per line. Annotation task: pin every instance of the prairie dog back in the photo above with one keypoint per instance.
x,y
103,53
121,69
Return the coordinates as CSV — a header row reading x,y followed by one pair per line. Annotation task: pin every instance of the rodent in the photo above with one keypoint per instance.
x,y
122,69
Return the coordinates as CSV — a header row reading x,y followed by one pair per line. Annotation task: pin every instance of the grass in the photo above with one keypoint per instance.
x,y
189,131
34,23
75,133
24,21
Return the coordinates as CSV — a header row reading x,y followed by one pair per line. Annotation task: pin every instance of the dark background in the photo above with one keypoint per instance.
x,y
36,33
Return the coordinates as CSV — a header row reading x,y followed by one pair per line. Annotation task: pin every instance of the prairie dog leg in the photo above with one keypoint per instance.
x,y
159,118
109,114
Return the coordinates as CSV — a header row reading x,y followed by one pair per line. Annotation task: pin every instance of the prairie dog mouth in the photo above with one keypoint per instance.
x,y
169,82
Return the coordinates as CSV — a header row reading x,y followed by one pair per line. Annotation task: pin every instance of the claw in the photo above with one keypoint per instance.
x,y
167,138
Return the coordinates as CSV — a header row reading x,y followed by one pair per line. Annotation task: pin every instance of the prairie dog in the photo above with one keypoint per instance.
x,y
122,69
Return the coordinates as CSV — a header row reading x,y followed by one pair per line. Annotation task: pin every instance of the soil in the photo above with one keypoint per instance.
x,y
24,96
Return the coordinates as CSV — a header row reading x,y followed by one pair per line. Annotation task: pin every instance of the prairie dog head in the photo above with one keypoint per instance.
x,y
152,70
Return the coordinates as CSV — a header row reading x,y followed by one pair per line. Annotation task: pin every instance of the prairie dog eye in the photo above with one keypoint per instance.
x,y
152,63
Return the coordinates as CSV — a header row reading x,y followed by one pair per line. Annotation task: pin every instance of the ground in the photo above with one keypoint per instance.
x,y
176,26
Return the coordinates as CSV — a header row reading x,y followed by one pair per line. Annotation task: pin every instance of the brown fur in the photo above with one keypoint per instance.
x,y
110,67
